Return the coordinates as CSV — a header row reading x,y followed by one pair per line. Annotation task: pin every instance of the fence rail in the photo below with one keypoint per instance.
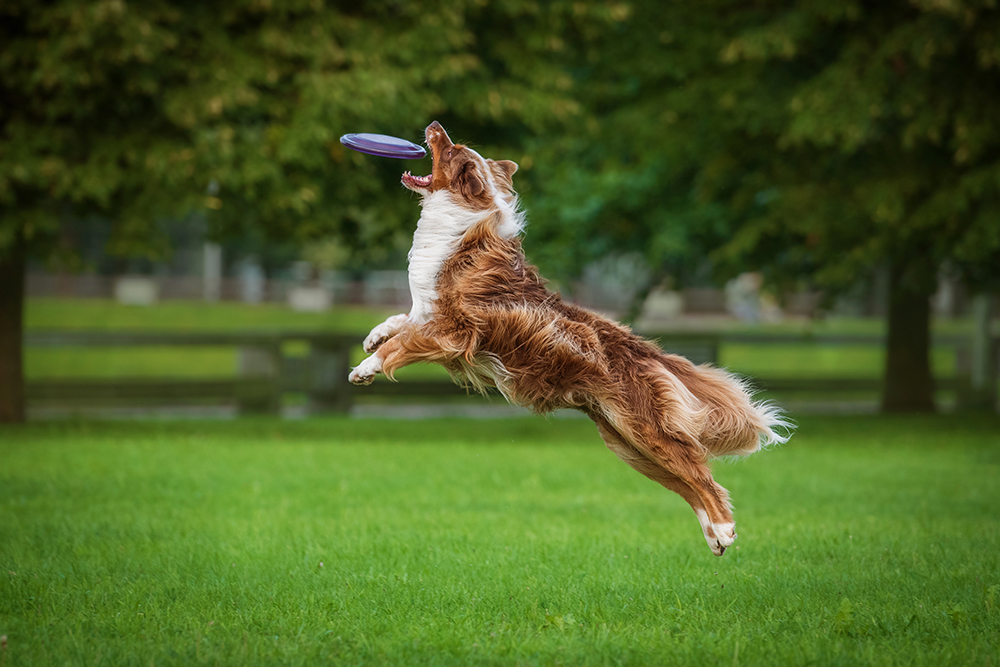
x,y
265,372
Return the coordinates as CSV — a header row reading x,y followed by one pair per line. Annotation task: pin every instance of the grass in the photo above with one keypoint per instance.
x,y
194,316
174,316
813,360
118,362
862,541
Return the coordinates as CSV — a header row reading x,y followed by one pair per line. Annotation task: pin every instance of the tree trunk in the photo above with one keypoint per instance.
x,y
909,385
982,392
12,269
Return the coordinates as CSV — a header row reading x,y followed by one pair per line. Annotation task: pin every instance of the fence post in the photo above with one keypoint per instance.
x,y
330,363
261,362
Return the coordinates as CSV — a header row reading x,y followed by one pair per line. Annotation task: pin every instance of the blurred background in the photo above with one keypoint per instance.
x,y
805,192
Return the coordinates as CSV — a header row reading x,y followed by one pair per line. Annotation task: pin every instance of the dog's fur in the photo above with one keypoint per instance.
x,y
482,311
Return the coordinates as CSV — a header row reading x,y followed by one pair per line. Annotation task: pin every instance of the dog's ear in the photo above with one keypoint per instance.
x,y
503,169
468,181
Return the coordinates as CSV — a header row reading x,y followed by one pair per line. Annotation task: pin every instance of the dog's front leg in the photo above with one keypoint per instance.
x,y
384,332
365,372
410,347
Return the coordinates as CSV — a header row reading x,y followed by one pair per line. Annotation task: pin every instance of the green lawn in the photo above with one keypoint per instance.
x,y
109,315
174,316
805,359
328,541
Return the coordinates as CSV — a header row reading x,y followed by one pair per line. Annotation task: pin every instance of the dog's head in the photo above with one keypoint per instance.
x,y
473,181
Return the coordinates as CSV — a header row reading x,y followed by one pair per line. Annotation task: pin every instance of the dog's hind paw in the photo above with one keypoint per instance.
x,y
718,545
719,536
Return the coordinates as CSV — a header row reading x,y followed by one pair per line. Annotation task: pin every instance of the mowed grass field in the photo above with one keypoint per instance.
x,y
524,542
52,314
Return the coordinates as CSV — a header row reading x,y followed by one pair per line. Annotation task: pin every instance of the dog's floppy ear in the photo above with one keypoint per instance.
x,y
503,169
468,181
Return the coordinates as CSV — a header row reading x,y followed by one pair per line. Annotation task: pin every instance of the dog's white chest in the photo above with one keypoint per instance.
x,y
439,232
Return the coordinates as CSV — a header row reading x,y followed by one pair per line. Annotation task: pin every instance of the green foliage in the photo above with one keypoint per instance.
x,y
141,112
814,139
521,542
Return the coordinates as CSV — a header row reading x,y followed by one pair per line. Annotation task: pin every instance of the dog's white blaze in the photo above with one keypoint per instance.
x,y
484,169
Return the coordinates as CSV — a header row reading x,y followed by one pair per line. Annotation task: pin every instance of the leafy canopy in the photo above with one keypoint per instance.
x,y
814,139
146,111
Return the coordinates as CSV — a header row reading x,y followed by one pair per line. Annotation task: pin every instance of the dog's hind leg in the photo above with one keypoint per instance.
x,y
691,480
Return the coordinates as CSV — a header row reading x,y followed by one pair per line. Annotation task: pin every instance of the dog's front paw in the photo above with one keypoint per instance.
x,y
374,340
383,332
365,372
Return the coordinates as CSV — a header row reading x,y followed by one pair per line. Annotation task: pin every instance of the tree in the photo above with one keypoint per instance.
x,y
146,111
815,140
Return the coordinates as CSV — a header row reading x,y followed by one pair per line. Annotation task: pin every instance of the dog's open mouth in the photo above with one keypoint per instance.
x,y
416,182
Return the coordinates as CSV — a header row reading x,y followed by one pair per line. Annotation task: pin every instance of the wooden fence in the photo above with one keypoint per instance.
x,y
265,372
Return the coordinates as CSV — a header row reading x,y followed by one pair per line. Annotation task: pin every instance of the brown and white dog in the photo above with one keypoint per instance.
x,y
482,311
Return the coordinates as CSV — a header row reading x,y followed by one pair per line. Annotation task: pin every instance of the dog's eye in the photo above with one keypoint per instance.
x,y
450,151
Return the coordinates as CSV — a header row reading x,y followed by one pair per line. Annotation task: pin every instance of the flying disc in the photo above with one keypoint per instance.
x,y
383,145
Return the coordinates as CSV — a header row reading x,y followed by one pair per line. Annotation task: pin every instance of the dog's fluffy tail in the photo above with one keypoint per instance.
x,y
737,424
734,424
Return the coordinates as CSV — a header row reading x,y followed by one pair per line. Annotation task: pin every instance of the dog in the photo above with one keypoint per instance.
x,y
483,312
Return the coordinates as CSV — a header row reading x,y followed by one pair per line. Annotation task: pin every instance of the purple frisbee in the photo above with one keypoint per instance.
x,y
383,145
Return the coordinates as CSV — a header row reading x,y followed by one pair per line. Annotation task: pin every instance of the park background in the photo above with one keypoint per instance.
x,y
807,193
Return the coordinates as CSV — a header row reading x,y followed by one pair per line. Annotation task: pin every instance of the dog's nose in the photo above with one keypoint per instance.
x,y
434,130
436,136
